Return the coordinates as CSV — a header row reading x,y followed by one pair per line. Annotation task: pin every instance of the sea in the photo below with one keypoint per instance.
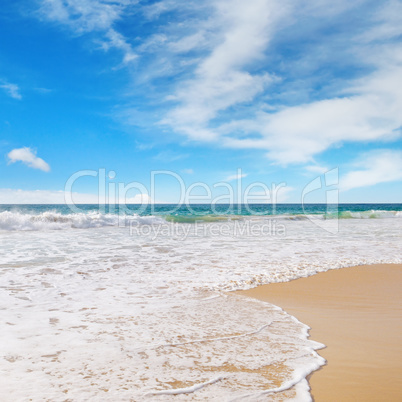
x,y
136,303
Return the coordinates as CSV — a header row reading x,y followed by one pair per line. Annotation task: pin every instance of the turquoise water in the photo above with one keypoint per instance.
x,y
343,210
37,217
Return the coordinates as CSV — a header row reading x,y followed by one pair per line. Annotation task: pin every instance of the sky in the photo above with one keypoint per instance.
x,y
147,99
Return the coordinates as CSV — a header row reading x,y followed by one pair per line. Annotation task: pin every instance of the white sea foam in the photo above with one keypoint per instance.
x,y
371,214
99,314
10,220
188,390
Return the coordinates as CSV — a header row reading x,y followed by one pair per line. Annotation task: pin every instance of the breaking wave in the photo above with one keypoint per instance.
x,y
372,214
10,220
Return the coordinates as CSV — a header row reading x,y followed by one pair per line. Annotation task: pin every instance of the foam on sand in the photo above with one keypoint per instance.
x,y
357,313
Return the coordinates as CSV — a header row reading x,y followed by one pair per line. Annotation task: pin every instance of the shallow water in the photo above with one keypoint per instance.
x,y
142,312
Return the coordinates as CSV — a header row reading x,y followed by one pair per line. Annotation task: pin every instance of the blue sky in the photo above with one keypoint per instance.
x,y
283,90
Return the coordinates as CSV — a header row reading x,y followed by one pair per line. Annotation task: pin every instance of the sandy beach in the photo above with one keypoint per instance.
x,y
357,313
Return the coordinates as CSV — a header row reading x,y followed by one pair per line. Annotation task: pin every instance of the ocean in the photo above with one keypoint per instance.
x,y
107,303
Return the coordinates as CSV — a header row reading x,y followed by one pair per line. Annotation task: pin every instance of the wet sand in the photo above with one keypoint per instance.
x,y
357,313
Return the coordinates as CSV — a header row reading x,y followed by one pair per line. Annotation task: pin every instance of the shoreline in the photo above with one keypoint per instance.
x,y
356,312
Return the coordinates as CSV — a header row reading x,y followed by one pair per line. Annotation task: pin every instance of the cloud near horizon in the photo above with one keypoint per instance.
x,y
28,157
19,196
376,167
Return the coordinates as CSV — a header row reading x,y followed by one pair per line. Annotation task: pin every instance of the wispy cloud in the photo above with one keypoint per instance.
x,y
28,157
388,23
170,156
316,169
278,195
12,90
296,134
253,75
141,146
236,176
221,79
376,167
13,196
43,90
227,77
84,16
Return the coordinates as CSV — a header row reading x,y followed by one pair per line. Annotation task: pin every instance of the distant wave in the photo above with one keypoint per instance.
x,y
201,218
372,214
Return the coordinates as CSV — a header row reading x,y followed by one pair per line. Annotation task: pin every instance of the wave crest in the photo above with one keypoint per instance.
x,y
10,220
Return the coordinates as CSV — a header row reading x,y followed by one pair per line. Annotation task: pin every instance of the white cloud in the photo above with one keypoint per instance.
x,y
188,171
12,90
377,167
362,110
217,51
316,169
296,134
170,156
11,196
137,199
282,194
236,176
83,16
144,146
278,195
188,43
28,157
221,79
388,20
117,40
153,11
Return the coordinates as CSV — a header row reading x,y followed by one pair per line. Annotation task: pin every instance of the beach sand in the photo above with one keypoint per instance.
x,y
357,313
